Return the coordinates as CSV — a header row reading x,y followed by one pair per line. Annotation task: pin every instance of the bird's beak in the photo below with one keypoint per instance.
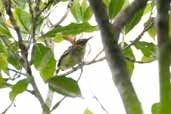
x,y
89,38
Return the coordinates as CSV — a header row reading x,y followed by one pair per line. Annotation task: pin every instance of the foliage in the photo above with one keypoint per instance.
x,y
88,111
26,40
65,86
44,61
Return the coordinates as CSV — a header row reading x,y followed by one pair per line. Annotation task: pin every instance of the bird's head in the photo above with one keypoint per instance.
x,y
82,42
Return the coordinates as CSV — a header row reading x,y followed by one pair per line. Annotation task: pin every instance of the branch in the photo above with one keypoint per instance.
x,y
30,7
57,104
62,18
35,16
95,60
81,65
98,101
115,58
164,55
135,61
12,19
4,112
16,28
128,14
47,5
18,72
98,54
146,28
24,52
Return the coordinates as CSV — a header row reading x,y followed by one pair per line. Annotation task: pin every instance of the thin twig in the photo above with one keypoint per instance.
x,y
30,7
18,72
146,28
98,101
80,74
32,16
34,19
7,108
12,19
98,54
62,18
135,61
16,28
47,5
57,104
101,105
31,92
49,98
99,60
79,66
138,37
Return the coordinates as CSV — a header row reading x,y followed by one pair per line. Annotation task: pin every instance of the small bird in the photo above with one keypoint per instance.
x,y
73,55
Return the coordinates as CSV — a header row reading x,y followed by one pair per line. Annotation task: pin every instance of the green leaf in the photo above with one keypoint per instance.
x,y
88,111
152,29
59,38
44,61
2,82
148,59
19,3
4,31
126,3
76,10
65,86
148,7
3,61
14,60
82,13
23,19
85,11
152,32
87,14
130,65
71,29
134,21
39,23
106,2
84,6
18,88
155,108
13,57
148,50
114,7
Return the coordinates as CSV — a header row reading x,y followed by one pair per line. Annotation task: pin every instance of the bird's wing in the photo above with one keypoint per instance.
x,y
66,52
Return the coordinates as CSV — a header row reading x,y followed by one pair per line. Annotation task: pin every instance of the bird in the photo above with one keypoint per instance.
x,y
73,55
